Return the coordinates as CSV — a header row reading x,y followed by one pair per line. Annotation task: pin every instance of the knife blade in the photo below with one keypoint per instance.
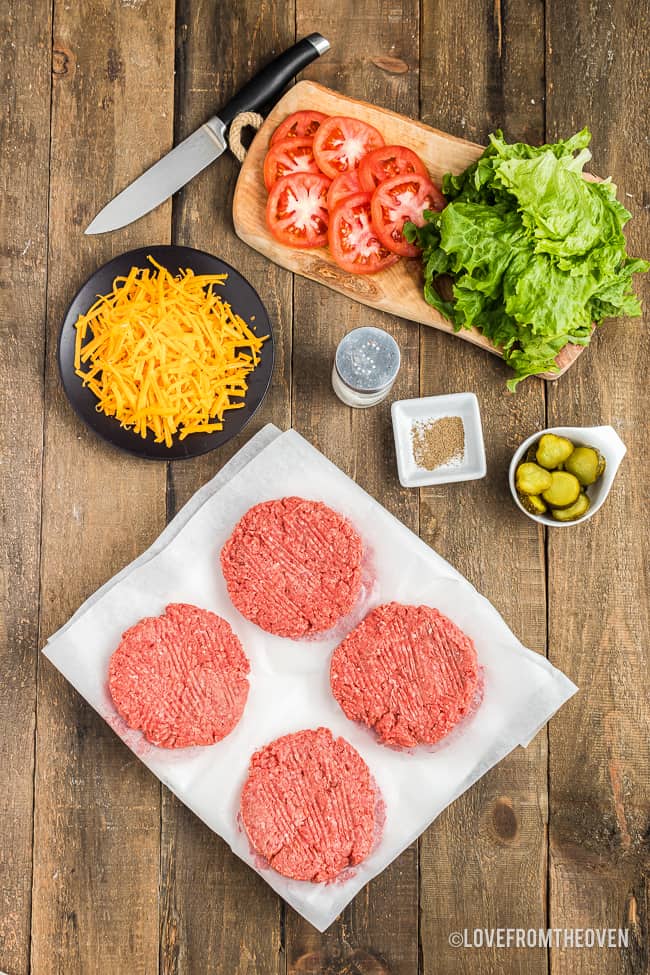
x,y
207,143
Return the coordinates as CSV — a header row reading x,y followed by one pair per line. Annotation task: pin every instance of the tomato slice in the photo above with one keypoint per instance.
x,y
344,185
300,125
341,143
353,242
289,156
387,161
397,200
296,210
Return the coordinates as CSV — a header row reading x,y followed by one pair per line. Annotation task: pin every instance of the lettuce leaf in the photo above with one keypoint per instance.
x,y
536,252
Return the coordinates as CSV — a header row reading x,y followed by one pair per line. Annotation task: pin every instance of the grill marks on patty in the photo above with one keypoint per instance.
x,y
180,678
308,805
408,672
293,566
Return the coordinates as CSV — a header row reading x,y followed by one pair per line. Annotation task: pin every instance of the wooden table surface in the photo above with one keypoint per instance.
x,y
103,870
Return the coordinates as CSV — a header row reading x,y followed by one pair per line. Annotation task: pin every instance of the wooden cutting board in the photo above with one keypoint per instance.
x,y
398,289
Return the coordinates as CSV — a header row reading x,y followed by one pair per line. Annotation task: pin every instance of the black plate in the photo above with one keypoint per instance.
x,y
244,301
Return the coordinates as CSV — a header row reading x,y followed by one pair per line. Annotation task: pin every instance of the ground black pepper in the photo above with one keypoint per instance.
x,y
437,442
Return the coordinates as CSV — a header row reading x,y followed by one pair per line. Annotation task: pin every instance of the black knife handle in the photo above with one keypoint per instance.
x,y
272,79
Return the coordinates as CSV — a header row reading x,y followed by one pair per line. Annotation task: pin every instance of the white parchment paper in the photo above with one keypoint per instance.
x,y
289,686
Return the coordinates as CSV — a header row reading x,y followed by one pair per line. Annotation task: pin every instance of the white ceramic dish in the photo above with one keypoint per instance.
x,y
604,439
406,412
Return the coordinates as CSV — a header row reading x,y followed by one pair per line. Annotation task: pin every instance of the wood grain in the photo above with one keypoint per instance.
x,y
122,882
203,926
599,632
398,289
483,862
97,812
24,135
378,933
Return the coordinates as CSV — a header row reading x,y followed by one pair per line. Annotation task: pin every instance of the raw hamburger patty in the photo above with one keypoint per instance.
x,y
406,671
180,678
293,566
308,805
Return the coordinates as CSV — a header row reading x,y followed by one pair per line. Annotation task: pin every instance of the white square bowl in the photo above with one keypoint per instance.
x,y
406,412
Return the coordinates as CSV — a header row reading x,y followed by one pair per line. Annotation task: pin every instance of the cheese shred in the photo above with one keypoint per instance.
x,y
165,353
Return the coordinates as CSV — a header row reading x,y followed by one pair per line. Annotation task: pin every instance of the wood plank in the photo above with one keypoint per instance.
x,y
482,863
398,289
374,52
25,32
203,885
598,630
97,814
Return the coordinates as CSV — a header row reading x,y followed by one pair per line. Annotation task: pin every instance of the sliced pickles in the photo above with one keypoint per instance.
x,y
533,503
576,510
553,451
532,479
563,491
586,464
554,475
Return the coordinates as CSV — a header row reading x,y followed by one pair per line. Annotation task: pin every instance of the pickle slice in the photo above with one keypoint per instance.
x,y
585,464
533,503
532,479
563,491
575,510
553,450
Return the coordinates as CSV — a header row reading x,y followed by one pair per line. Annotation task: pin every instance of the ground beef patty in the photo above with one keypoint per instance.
x,y
406,671
180,678
308,805
293,566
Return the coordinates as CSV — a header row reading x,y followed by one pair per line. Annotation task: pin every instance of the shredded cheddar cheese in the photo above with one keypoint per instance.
x,y
165,354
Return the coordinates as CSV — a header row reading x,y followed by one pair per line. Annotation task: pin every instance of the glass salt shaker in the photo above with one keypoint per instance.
x,y
365,367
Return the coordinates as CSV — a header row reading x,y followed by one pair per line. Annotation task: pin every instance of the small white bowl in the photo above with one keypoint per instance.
x,y
406,412
604,439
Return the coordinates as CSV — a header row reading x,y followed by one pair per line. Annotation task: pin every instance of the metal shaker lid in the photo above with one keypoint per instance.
x,y
368,359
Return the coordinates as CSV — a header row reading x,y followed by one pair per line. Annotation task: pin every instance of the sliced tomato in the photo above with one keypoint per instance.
x,y
300,125
397,200
341,143
387,161
296,210
289,156
344,185
353,242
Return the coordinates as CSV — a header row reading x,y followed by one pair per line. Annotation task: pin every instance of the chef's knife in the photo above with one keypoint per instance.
x,y
189,157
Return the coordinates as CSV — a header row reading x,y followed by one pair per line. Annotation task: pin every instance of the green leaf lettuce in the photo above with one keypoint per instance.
x,y
536,252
